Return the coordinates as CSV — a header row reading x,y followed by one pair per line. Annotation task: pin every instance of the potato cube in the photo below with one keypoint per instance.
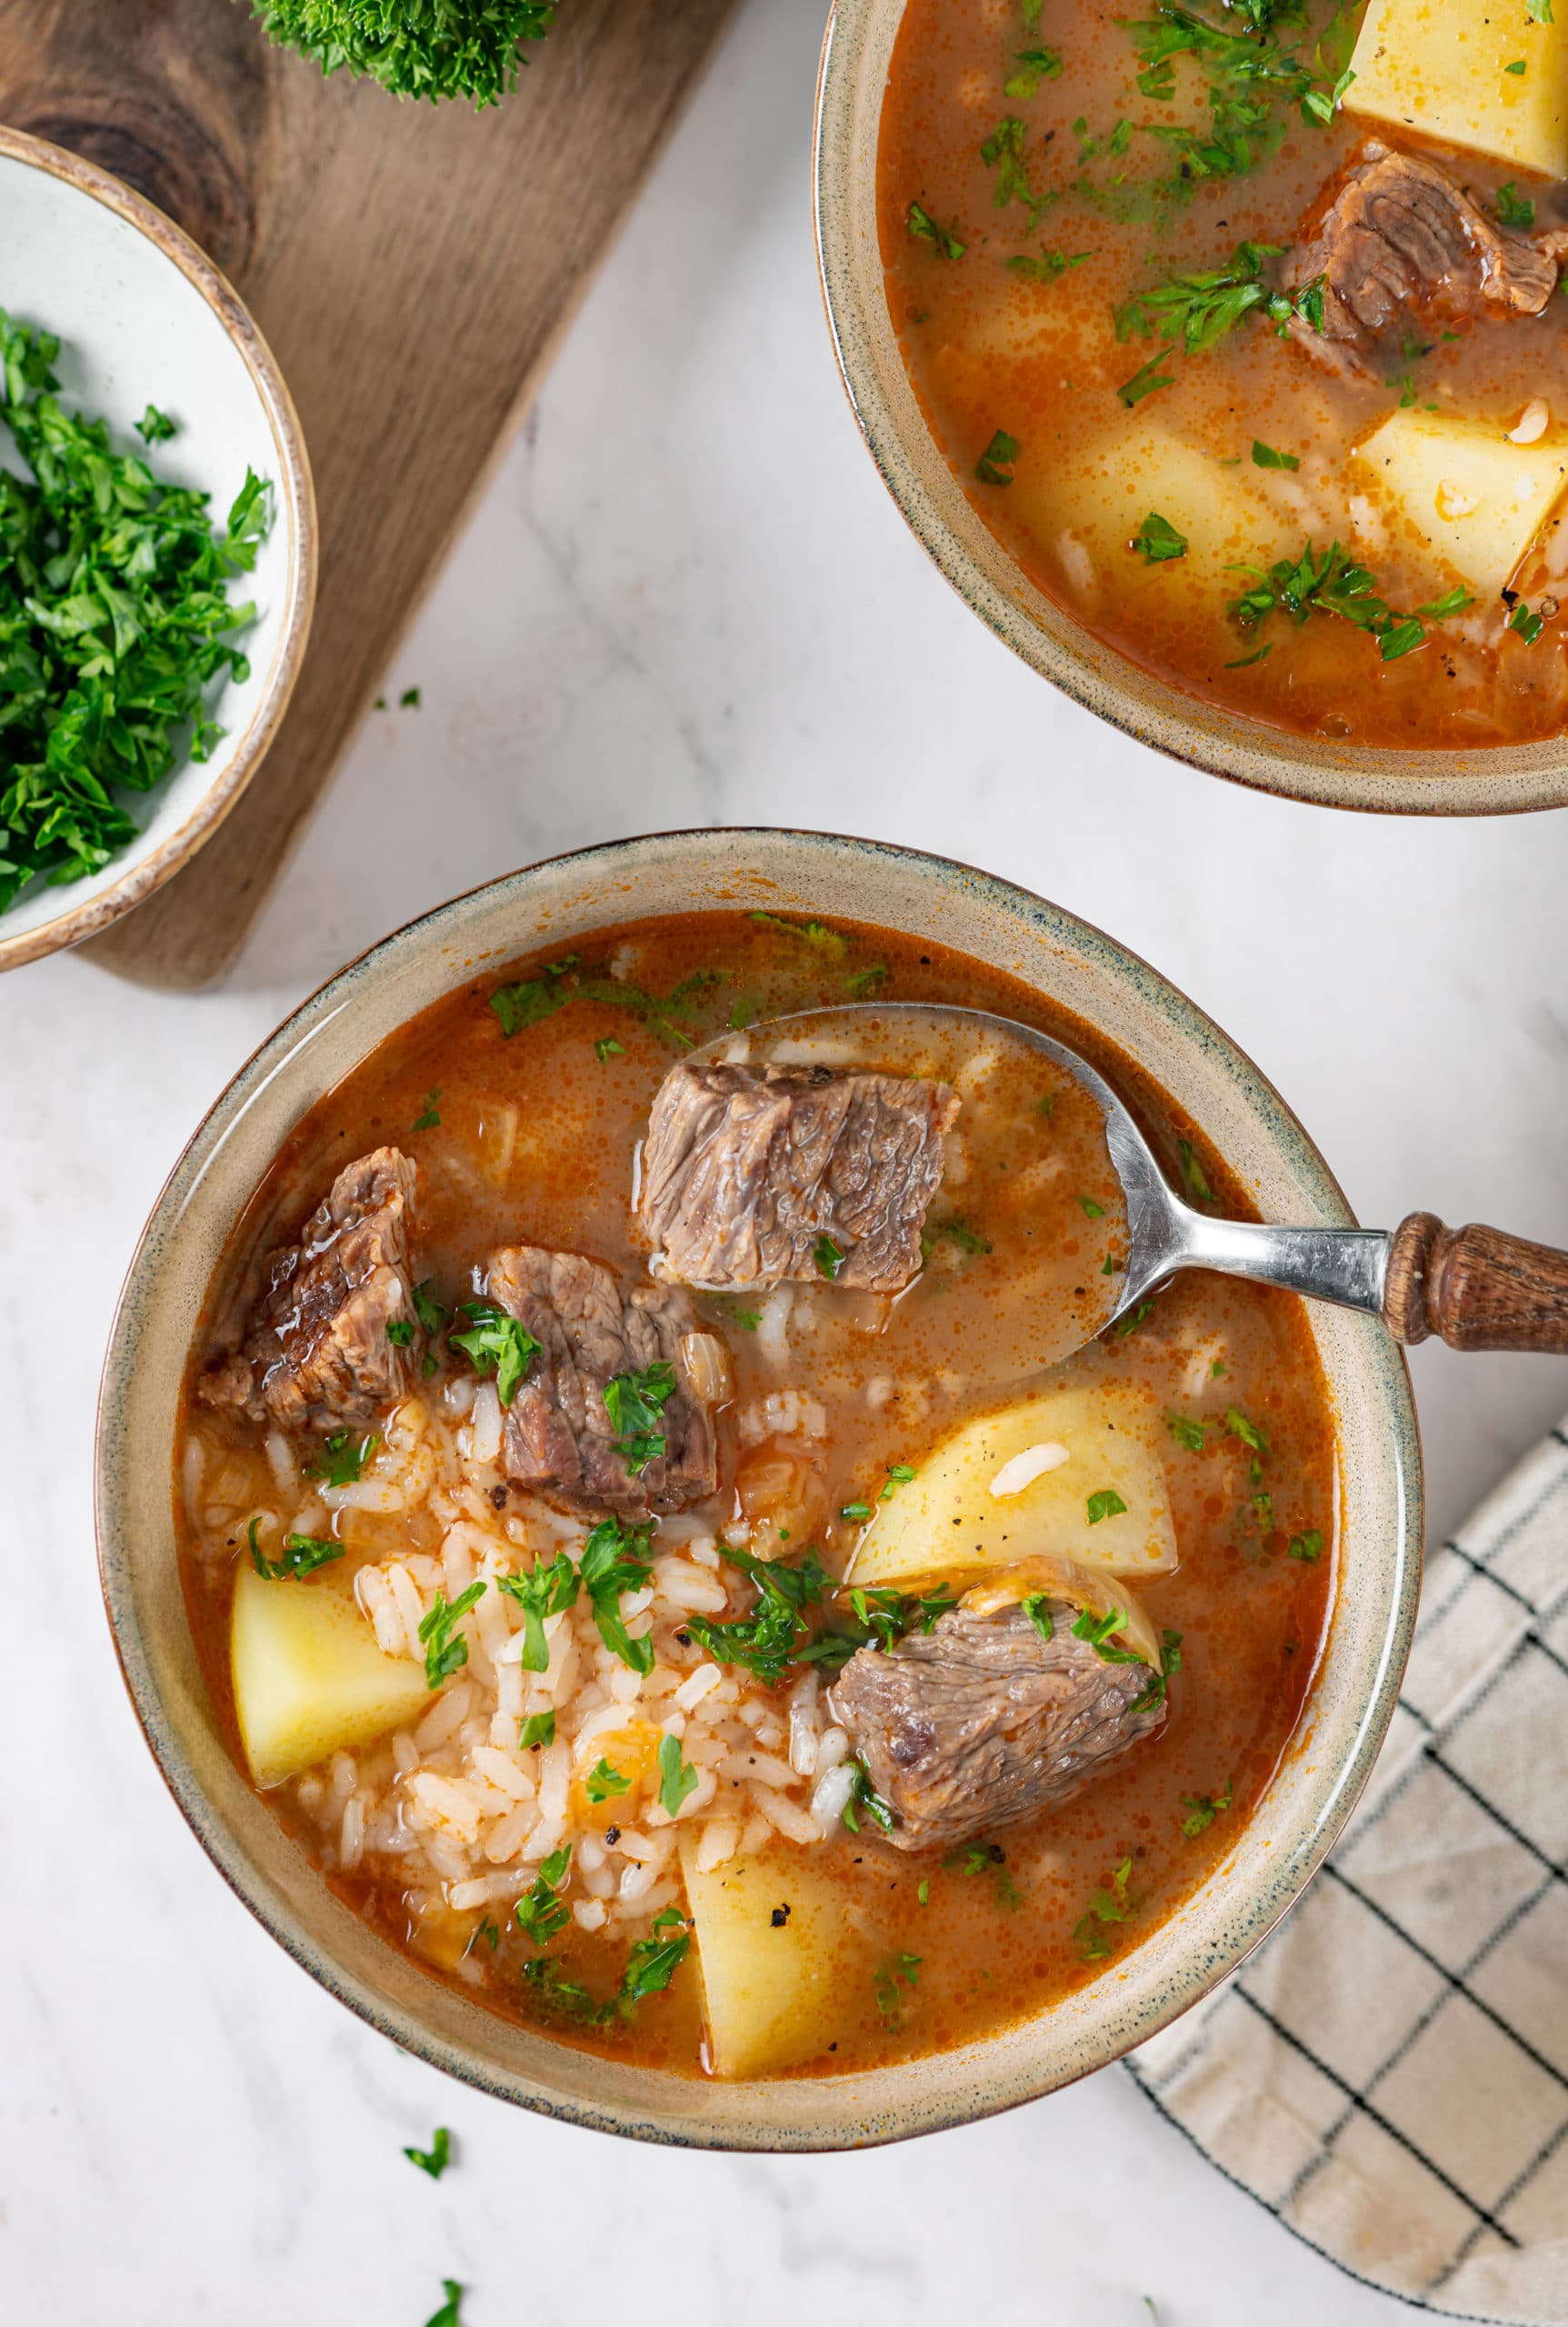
x,y
1475,501
772,1983
1439,66
1076,1474
308,1678
1093,507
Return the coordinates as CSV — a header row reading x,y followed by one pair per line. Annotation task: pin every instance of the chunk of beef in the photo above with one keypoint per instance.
x,y
559,1436
316,1354
745,1169
1399,245
981,1722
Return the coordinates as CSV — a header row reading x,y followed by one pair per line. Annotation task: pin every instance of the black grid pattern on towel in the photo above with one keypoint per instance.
x,y
1532,1659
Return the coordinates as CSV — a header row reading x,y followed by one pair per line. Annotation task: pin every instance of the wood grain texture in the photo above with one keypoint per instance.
x,y
1476,1287
413,268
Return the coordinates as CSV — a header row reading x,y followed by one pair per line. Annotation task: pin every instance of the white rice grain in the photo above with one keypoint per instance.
x,y
193,1471
445,1717
831,1748
590,1914
506,1838
717,1843
679,1583
555,1777
702,1684
503,1771
484,1424
285,1469
351,1836
833,1789
788,1816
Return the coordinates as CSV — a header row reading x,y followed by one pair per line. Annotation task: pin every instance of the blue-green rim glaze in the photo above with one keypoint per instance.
x,y
247,1845
1499,780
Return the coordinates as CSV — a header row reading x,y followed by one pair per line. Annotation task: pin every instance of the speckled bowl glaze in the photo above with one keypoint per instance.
x,y
144,316
560,903
856,54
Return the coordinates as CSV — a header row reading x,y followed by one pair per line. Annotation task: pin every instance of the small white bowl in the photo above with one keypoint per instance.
x,y
142,318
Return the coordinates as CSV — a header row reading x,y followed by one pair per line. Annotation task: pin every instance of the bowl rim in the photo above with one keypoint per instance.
x,y
619,861
1214,739
296,494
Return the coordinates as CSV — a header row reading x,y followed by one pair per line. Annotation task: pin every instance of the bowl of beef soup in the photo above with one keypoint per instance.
x,y
512,1545
1218,369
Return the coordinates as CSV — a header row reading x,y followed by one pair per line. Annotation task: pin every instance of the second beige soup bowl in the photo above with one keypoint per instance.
x,y
856,54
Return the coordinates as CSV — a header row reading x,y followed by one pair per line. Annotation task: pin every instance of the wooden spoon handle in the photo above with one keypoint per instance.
x,y
1476,1287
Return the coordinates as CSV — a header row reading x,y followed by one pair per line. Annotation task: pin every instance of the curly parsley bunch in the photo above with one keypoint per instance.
x,y
415,48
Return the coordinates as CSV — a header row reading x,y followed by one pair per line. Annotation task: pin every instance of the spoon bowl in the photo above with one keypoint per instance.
x,y
1478,1287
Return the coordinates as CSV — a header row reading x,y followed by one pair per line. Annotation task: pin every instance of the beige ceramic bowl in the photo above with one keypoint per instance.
x,y
561,904
144,318
861,35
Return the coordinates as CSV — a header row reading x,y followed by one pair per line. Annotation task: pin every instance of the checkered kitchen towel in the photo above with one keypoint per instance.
x,y
1389,2073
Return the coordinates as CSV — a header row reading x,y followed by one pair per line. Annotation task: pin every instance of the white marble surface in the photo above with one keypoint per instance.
x,y
686,600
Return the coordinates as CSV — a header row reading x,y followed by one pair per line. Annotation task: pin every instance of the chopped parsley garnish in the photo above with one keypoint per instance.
x,y
899,1474
1049,267
449,2314
1192,312
549,1590
924,229
1308,1546
400,1333
428,1120
409,699
427,1309
1517,65
676,1778
986,1858
1030,68
1146,380
539,1728
302,1555
614,1562
865,1796
435,2159
342,1459
855,1511
1097,1630
603,1782
1513,208
1194,1178
1036,1606
893,1975
530,1001
1002,152
1251,1433
828,1258
1104,1503
818,933
445,1650
1204,1809
1090,1208
115,621
1265,457
1185,1432
1539,12
1107,1907
1170,1662
542,1911
607,1047
861,985
651,1964
155,427
635,1404
958,1232
496,1343
1158,540
771,1638
995,463
1134,1318
885,1616
1329,585
1528,625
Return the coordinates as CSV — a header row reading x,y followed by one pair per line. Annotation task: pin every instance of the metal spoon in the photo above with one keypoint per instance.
x,y
1477,1287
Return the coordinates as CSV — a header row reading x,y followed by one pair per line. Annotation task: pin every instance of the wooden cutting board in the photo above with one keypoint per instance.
x,y
413,267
